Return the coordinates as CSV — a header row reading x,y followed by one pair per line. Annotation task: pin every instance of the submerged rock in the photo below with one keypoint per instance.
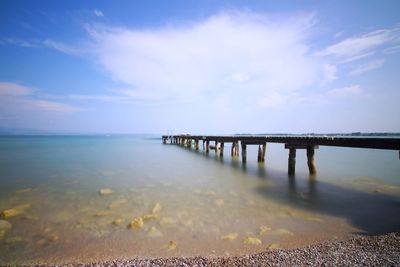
x,y
18,210
282,231
13,240
137,223
252,241
229,237
117,221
264,229
5,226
274,246
24,190
117,203
314,219
148,217
157,208
219,202
172,245
105,191
154,232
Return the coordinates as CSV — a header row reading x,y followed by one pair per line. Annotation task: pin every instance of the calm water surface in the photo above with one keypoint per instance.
x,y
184,201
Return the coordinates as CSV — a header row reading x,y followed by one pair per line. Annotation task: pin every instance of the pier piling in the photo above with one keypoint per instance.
x,y
292,161
244,152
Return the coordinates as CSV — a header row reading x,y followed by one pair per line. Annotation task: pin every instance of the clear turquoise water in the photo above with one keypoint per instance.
x,y
205,200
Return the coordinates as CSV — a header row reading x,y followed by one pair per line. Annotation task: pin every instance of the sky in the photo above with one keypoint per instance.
x,y
200,67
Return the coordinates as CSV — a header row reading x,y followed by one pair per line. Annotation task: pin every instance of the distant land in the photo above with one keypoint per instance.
x,y
28,131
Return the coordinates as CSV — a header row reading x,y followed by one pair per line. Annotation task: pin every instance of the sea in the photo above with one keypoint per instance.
x,y
91,198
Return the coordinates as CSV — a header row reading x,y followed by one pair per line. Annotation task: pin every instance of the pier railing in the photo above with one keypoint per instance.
x,y
292,143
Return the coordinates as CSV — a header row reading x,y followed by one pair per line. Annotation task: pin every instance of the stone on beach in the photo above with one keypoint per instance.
x,y
137,223
229,237
171,245
148,217
252,241
154,232
117,203
219,202
157,208
117,221
105,191
17,210
264,229
5,227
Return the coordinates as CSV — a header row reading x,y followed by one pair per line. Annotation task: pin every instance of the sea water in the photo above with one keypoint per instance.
x,y
93,198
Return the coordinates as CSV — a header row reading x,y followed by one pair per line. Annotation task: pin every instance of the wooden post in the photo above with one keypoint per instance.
x,y
221,150
259,154
244,151
203,144
292,161
197,144
311,160
216,146
233,149
207,146
237,149
264,149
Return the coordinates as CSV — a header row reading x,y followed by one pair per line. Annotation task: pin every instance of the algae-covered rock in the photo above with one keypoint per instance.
x,y
172,245
137,223
117,221
264,229
105,191
154,232
274,246
252,241
18,210
13,240
24,190
5,226
148,217
229,237
314,219
282,231
157,208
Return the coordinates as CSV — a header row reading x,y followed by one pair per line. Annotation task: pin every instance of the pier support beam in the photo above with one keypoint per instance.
x,y
261,152
197,144
292,161
312,167
221,149
216,147
207,146
244,152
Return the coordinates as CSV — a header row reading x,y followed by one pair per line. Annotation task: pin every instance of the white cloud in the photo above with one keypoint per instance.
x,y
98,13
15,98
347,91
354,48
230,54
375,64
64,48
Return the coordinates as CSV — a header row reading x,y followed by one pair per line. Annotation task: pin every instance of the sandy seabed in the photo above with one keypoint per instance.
x,y
382,250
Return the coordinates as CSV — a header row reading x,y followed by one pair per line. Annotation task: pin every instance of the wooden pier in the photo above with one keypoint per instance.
x,y
292,143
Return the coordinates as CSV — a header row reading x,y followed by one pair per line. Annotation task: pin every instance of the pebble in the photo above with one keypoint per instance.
x,y
5,227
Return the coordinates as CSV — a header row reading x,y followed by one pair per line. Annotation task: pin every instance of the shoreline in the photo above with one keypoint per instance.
x,y
381,250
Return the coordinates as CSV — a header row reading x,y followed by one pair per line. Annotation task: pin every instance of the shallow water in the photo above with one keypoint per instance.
x,y
190,203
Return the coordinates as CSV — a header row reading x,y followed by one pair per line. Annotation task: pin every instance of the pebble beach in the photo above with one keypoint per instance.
x,y
382,250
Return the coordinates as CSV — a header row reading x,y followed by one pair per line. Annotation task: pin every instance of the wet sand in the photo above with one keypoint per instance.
x,y
383,250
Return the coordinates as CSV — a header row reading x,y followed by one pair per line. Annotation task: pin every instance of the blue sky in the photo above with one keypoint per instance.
x,y
212,67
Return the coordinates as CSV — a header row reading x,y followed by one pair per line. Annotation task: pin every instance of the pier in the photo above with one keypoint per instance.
x,y
291,143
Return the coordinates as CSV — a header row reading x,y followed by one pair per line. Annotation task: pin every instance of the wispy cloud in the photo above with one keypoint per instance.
x,y
17,97
354,48
62,47
347,91
98,13
375,64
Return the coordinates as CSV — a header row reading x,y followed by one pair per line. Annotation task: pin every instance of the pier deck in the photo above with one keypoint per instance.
x,y
292,143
